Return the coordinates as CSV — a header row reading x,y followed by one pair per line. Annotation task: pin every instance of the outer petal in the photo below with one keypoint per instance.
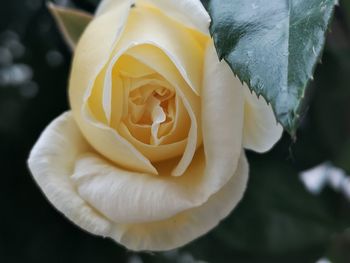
x,y
188,12
261,130
188,225
52,160
222,115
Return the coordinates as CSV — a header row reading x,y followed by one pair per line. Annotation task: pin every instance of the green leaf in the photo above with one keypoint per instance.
x,y
278,220
346,7
273,46
71,22
339,249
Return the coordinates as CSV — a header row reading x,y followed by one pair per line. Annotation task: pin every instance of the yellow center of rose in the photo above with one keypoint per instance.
x,y
142,106
151,107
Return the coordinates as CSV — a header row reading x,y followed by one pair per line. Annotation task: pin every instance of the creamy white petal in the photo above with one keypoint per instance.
x,y
261,130
136,197
188,61
188,12
222,117
52,162
188,225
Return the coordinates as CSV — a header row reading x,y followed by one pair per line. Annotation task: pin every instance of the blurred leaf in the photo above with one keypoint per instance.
x,y
346,5
71,22
277,221
273,46
330,109
339,249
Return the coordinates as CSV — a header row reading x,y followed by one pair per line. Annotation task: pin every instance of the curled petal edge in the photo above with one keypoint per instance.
x,y
52,171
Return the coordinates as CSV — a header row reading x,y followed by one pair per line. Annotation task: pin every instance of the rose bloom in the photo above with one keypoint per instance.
x,y
152,152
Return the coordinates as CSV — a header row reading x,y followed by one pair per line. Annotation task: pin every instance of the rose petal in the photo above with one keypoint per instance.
x,y
51,163
89,60
149,198
179,44
261,130
186,226
152,198
222,117
136,197
187,58
188,12
149,54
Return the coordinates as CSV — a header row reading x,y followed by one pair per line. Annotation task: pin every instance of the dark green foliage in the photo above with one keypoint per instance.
x,y
273,46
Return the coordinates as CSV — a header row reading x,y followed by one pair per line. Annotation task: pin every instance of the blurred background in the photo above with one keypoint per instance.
x,y
281,218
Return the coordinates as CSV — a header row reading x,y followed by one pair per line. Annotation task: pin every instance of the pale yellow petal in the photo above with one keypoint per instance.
x,y
61,147
191,13
188,12
123,199
148,198
222,118
89,60
261,130
141,197
179,45
153,152
188,225
52,162
158,60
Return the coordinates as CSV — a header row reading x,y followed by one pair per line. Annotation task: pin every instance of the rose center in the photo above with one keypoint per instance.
x,y
144,106
151,106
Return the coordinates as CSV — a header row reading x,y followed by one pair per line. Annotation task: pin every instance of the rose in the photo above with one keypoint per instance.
x,y
151,154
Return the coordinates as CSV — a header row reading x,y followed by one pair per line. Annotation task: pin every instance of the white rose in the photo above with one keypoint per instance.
x,y
151,153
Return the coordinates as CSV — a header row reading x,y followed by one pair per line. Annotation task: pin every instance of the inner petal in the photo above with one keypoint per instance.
x,y
161,122
150,107
158,59
158,117
155,119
